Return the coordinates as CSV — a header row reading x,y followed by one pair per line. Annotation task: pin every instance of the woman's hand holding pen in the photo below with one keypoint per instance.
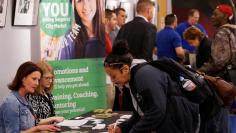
x,y
113,128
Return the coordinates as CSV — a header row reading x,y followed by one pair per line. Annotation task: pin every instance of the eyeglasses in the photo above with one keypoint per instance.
x,y
48,78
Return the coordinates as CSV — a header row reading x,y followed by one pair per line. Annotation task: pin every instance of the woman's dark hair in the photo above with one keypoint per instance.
x,y
192,33
24,70
119,56
98,27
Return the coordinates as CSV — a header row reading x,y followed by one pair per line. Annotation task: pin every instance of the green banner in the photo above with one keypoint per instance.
x,y
80,86
55,17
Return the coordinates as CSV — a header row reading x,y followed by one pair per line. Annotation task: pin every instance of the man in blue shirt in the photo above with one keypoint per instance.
x,y
168,41
193,17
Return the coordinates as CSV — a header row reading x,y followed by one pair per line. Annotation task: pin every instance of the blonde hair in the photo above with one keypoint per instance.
x,y
46,68
142,5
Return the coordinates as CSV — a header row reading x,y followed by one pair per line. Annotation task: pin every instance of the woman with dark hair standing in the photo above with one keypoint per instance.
x,y
200,41
16,115
154,108
86,38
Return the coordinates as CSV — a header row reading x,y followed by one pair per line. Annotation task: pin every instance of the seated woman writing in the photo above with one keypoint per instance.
x,y
42,99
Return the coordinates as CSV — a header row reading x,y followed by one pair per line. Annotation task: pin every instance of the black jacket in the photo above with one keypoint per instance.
x,y
140,36
165,110
203,52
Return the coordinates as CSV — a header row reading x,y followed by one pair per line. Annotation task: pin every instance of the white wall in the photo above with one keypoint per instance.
x,y
17,45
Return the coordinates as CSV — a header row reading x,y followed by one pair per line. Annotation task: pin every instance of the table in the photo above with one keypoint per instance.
x,y
87,128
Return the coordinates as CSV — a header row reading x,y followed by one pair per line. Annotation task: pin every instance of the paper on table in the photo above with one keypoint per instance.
x,y
73,123
125,116
99,126
89,118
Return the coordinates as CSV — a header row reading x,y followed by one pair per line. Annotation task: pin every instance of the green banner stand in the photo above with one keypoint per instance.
x,y
80,86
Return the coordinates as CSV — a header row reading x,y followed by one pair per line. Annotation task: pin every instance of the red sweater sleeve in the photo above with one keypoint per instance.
x,y
108,44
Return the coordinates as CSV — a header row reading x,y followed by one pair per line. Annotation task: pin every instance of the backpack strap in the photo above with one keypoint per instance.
x,y
232,29
133,72
137,67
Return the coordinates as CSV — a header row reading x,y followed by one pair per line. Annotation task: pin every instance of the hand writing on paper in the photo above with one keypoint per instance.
x,y
51,128
50,120
113,128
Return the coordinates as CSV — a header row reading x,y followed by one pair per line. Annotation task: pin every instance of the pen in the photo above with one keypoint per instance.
x,y
114,129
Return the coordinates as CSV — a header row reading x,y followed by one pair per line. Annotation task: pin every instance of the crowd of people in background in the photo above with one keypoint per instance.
x,y
176,41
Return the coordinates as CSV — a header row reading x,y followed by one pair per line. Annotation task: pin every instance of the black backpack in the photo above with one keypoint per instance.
x,y
208,100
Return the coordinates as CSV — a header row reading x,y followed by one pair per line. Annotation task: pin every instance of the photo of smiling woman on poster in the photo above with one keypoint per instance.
x,y
86,37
